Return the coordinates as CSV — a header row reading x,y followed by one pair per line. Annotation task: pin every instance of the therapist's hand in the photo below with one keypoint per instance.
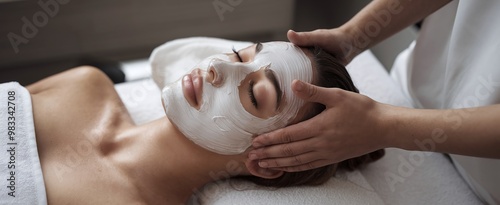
x,y
351,125
334,41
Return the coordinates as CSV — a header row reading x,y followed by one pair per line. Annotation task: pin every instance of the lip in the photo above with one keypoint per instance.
x,y
192,87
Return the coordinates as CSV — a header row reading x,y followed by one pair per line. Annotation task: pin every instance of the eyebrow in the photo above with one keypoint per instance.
x,y
270,75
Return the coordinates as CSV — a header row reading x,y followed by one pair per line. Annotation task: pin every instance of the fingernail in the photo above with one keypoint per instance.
x,y
299,86
253,157
263,164
256,145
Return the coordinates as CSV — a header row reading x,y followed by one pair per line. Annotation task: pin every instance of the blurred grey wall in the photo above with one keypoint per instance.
x,y
43,37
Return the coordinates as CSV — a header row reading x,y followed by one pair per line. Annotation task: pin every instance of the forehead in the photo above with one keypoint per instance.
x,y
286,60
281,47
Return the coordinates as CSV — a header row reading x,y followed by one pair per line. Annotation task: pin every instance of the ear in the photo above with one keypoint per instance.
x,y
254,169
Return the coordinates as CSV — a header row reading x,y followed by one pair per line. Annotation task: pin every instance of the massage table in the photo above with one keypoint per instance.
x,y
400,177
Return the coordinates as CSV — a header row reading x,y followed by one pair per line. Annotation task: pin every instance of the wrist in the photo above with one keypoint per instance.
x,y
351,48
391,124
347,31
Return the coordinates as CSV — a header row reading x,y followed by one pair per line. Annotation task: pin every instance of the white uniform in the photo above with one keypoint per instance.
x,y
455,63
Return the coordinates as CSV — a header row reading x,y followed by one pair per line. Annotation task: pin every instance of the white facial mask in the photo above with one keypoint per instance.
x,y
222,124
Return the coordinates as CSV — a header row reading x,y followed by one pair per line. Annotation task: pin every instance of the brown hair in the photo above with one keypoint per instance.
x,y
332,74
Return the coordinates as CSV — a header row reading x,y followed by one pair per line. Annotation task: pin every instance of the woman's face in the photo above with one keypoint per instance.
x,y
259,92
229,98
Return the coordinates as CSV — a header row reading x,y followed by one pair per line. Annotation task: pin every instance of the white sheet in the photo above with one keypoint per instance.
x,y
431,179
345,188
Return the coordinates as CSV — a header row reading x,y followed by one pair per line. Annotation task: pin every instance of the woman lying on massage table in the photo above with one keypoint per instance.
x,y
212,115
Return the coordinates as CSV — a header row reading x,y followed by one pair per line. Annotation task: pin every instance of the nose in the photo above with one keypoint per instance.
x,y
214,77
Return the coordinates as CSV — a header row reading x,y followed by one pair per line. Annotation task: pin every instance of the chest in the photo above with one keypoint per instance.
x,y
71,130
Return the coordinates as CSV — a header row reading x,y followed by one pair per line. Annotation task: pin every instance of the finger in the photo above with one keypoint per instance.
x,y
288,134
313,93
304,167
301,38
292,161
283,150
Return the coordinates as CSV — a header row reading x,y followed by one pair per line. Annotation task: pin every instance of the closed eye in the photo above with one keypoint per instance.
x,y
250,93
237,54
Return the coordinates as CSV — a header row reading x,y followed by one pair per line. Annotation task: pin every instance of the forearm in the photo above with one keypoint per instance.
x,y
382,18
471,131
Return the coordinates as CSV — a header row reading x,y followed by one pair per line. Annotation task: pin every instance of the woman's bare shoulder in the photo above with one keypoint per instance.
x,y
79,76
75,98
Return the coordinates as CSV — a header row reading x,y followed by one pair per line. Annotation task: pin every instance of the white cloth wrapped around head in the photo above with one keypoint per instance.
x,y
221,123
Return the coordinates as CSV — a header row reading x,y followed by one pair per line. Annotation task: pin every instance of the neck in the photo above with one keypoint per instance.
x,y
165,166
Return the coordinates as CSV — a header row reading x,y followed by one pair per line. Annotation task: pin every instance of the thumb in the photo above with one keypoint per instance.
x,y
312,93
302,38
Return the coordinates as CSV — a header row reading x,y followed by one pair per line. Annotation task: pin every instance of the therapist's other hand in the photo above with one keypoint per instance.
x,y
350,126
334,41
